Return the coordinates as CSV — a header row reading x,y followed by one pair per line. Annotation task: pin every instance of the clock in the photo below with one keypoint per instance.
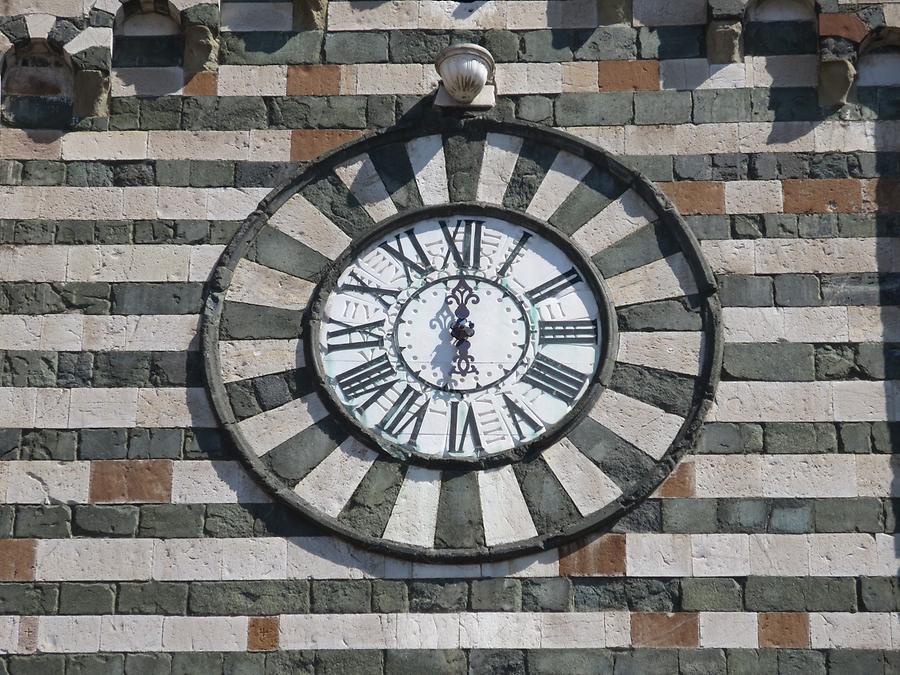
x,y
461,335
462,341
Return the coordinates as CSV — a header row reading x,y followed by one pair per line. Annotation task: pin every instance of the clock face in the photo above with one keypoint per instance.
x,y
462,341
460,336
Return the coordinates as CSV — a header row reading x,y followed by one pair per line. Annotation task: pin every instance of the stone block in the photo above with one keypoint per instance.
x,y
689,515
428,596
87,599
152,598
613,43
341,596
389,596
109,521
547,595
711,595
43,522
746,291
496,661
497,595
663,107
172,520
348,47
266,48
585,109
791,362
416,662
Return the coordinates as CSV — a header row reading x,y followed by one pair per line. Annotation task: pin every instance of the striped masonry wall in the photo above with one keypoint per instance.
x,y
133,541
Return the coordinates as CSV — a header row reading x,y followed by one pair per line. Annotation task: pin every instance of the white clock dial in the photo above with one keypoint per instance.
x,y
460,336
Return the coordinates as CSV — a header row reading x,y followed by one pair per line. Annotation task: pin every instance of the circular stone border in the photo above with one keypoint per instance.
x,y
602,520
606,315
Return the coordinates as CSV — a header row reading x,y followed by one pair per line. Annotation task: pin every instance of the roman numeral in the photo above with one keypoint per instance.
x,y
362,336
379,293
569,332
420,266
458,434
511,258
470,255
518,415
401,415
365,379
555,379
554,286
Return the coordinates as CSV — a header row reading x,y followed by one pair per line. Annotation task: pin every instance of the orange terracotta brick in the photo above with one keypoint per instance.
x,y
131,481
597,556
847,26
665,630
313,80
28,634
201,84
696,197
829,195
784,629
881,195
307,144
262,634
628,75
680,483
17,559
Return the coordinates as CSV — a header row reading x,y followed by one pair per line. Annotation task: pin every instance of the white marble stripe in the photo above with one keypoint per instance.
x,y
242,359
800,324
565,174
648,428
93,407
504,511
256,284
417,631
670,277
426,154
725,476
301,220
647,555
330,485
501,152
274,144
414,516
678,352
270,429
584,481
624,215
362,179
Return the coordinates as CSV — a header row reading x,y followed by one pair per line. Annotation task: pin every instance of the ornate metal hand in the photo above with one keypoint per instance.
x,y
463,329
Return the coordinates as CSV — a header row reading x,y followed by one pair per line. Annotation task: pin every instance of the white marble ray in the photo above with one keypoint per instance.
x,y
677,351
363,180
426,154
645,426
301,220
624,215
414,517
256,284
504,511
242,359
565,174
330,485
270,429
501,152
584,481
670,277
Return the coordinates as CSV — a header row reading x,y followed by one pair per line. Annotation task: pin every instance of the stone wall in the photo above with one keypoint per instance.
x,y
133,541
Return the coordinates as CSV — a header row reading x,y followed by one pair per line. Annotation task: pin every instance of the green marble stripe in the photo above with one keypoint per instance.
x,y
647,245
276,250
299,455
463,155
369,509
548,502
329,194
459,519
254,395
396,172
535,160
592,195
679,314
672,392
619,459
243,321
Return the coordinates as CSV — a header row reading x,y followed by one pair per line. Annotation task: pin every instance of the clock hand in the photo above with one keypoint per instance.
x,y
463,329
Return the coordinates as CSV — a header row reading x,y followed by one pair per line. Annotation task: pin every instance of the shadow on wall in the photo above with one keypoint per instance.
x,y
148,51
38,91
